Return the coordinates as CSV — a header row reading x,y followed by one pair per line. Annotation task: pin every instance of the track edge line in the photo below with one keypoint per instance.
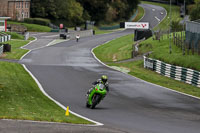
x,y
139,78
59,104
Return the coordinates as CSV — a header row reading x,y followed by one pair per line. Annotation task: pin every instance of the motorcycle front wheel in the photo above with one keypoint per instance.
x,y
95,100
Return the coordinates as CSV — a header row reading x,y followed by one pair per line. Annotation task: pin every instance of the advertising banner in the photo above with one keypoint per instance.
x,y
137,25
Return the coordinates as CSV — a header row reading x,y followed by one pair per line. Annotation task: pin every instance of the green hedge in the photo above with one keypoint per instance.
x,y
40,21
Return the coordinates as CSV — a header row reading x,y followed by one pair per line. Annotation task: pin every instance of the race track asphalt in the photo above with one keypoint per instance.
x,y
66,71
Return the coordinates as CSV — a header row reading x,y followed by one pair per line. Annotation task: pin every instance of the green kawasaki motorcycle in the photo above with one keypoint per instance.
x,y
96,95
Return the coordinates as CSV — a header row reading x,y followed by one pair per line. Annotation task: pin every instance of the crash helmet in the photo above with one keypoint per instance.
x,y
104,78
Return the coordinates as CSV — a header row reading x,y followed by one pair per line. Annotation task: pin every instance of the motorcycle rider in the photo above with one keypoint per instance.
x,y
77,37
103,80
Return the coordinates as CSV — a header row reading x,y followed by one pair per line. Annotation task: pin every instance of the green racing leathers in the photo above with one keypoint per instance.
x,y
95,95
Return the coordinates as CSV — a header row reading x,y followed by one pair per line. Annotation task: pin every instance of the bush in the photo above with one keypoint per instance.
x,y
40,21
190,7
176,26
194,14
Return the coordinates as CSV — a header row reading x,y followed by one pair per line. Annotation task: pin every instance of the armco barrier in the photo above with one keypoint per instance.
x,y
176,72
26,36
5,38
1,50
84,33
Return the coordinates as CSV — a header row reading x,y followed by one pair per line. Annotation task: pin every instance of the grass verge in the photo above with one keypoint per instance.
x,y
20,98
164,25
160,50
98,32
137,69
33,27
16,51
14,35
16,43
116,50
31,38
139,15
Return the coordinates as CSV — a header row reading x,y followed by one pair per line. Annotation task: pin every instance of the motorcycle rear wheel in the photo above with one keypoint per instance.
x,y
87,105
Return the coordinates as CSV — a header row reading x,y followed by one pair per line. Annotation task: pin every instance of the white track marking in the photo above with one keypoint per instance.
x,y
163,18
46,122
59,104
29,43
50,36
62,106
38,34
139,78
157,19
56,41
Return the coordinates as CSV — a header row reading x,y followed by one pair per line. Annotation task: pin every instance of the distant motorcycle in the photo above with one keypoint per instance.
x,y
96,95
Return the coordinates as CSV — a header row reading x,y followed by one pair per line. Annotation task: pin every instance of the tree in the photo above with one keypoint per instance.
x,y
70,10
97,9
44,8
109,10
187,1
195,13
133,4
67,10
77,11
37,10
197,1
120,8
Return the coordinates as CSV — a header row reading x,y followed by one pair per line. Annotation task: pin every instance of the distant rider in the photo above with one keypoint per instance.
x,y
103,80
77,37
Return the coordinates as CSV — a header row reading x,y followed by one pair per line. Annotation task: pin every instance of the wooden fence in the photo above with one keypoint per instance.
x,y
179,40
189,48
